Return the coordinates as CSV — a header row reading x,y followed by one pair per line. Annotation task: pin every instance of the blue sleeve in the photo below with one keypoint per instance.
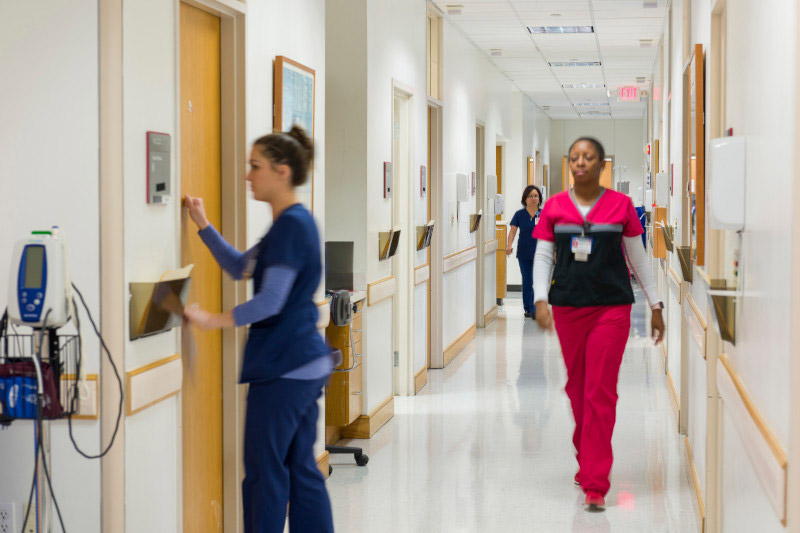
x,y
229,258
270,299
515,220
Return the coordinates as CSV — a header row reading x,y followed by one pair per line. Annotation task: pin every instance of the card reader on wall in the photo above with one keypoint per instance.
x,y
159,186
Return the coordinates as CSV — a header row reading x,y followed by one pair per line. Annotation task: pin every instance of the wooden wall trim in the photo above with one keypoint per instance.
x,y
365,426
453,261
700,318
673,392
459,344
703,275
150,384
422,274
420,380
490,246
490,315
381,290
766,453
694,481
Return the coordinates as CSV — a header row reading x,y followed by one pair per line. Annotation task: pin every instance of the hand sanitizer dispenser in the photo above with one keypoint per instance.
x,y
726,183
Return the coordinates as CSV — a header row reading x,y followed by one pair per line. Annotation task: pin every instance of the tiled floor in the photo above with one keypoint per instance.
x,y
486,446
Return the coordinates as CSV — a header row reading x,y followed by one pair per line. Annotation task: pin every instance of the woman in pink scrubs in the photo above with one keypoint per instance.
x,y
585,236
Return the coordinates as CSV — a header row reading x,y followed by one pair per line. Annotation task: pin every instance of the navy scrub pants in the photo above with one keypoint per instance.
x,y
526,269
280,468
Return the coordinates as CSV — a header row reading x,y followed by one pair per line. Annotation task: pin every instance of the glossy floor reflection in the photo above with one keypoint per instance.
x,y
486,446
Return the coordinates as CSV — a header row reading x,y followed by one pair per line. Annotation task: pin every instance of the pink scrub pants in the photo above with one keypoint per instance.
x,y
593,340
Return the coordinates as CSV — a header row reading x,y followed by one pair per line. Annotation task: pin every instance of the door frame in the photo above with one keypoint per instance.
x,y
233,135
480,204
403,261
438,209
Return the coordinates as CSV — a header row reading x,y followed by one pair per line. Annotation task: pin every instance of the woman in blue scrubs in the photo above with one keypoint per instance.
x,y
286,362
525,220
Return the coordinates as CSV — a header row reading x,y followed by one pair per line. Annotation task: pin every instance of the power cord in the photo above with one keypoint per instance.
x,y
75,395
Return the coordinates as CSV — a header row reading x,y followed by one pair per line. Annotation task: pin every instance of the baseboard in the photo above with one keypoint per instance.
x,y
513,288
420,380
490,315
333,434
366,426
323,464
459,344
694,483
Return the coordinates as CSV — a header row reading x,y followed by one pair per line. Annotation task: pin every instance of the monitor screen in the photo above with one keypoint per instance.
x,y
34,267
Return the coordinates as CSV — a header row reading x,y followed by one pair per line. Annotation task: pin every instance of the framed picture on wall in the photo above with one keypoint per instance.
x,y
294,88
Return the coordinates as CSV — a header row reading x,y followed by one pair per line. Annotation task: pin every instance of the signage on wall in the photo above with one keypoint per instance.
x,y
628,94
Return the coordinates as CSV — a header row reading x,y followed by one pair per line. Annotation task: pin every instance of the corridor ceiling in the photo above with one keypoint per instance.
x,y
625,42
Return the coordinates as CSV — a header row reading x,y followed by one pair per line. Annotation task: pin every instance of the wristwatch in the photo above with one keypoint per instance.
x,y
659,305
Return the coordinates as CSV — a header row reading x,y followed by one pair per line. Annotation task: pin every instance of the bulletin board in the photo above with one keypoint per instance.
x,y
294,91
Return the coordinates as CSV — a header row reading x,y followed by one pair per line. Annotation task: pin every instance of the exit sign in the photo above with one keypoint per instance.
x,y
628,94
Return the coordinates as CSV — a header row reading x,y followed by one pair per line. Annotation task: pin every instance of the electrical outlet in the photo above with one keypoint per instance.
x,y
30,524
7,522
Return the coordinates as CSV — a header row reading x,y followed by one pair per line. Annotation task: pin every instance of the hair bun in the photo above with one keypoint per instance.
x,y
299,134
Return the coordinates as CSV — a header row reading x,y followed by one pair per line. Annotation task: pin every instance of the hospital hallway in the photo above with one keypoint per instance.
x,y
486,445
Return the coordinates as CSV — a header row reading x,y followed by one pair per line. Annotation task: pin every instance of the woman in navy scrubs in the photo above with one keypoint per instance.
x,y
525,219
286,362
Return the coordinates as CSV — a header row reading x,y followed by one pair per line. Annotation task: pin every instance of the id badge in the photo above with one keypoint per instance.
x,y
581,247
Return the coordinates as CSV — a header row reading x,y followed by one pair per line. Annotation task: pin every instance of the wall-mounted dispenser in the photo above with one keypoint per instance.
x,y
662,189
462,191
159,182
387,179
726,183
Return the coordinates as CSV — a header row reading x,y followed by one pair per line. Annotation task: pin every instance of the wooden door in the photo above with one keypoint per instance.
x,y
201,177
531,172
607,175
499,171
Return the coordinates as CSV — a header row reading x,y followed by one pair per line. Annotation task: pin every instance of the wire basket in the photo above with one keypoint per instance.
x,y
60,366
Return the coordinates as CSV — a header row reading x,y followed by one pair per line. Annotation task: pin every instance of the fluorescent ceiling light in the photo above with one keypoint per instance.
x,y
574,63
454,9
592,104
561,29
594,115
496,52
583,86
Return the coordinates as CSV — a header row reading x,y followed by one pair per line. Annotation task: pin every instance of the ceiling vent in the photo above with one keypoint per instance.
x,y
574,63
646,43
454,9
496,52
561,29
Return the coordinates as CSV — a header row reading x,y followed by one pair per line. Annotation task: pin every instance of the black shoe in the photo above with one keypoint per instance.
x,y
527,314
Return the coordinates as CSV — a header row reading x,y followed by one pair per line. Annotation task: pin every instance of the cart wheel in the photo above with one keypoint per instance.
x,y
330,470
361,459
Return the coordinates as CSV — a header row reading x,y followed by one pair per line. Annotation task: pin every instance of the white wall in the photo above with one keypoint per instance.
x,y
295,30
624,139
762,352
152,467
49,176
532,131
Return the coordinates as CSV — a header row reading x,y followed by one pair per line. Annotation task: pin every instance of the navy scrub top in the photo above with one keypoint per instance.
x,y
526,244
288,340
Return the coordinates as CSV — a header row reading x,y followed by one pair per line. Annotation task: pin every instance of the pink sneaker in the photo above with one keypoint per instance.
x,y
595,501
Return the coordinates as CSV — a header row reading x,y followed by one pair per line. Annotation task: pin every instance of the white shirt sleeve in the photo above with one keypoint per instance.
x,y
543,263
637,258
